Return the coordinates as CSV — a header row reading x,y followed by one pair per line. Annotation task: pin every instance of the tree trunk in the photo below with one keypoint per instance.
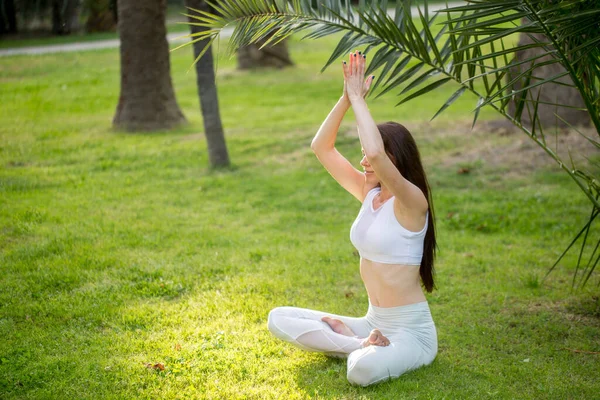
x,y
8,17
63,12
102,17
548,92
250,57
74,24
207,90
147,100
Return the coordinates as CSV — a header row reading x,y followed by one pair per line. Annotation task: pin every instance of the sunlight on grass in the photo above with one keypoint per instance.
x,y
123,251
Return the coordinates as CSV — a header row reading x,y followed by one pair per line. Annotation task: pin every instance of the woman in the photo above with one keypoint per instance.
x,y
394,234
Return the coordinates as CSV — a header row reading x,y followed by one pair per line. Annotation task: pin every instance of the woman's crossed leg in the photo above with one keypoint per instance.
x,y
306,329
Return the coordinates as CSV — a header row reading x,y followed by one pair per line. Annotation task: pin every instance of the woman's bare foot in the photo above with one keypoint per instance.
x,y
338,326
376,338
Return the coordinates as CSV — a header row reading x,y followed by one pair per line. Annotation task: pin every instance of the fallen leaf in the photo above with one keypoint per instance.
x,y
178,347
463,170
349,294
157,366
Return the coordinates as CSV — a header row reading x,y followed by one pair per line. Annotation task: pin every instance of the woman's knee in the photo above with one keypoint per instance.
x,y
365,370
273,316
274,322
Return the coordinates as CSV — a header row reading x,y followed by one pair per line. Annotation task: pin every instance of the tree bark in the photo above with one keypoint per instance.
x,y
207,90
8,17
549,92
63,12
250,57
147,101
102,17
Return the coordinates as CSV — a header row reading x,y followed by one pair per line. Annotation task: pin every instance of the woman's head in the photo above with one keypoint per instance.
x,y
402,150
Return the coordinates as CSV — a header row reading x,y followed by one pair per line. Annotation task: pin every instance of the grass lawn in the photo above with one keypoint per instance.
x,y
119,251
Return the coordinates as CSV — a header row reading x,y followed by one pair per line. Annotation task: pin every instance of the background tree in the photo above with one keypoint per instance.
x,y
469,50
65,16
274,56
27,12
8,17
560,97
102,16
147,100
207,91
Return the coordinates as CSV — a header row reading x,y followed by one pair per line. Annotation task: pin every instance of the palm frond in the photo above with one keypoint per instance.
x,y
471,46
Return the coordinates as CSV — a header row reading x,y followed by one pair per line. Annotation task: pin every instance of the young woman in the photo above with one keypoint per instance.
x,y
394,234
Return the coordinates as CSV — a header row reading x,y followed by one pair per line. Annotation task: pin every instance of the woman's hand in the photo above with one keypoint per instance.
x,y
355,85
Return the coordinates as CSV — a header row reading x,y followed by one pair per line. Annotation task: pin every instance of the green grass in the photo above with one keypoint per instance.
x,y
120,250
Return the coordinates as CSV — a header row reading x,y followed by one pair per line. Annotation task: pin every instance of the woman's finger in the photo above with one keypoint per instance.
x,y
345,69
363,61
368,83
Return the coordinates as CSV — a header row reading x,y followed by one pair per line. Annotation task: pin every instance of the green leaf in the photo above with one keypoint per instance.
x,y
420,79
539,83
450,100
430,38
593,266
424,90
577,236
522,95
477,108
402,78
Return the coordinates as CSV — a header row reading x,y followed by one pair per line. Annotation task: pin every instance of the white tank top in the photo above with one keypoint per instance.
x,y
379,237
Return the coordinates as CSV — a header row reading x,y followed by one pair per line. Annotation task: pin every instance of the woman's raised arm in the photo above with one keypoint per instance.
x,y
408,195
323,145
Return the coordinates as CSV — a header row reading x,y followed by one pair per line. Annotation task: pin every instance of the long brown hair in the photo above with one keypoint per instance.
x,y
401,146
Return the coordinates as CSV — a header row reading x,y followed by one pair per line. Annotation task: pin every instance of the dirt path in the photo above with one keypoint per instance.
x,y
84,46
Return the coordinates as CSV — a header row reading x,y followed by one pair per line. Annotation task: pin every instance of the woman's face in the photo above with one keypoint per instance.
x,y
368,170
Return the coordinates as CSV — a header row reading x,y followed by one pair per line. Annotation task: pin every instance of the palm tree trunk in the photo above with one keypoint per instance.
x,y
555,99
207,90
147,100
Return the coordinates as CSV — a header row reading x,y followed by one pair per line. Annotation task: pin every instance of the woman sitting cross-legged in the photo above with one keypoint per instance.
x,y
394,234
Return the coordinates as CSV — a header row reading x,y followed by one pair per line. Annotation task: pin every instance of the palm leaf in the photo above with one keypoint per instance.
x,y
470,50
450,100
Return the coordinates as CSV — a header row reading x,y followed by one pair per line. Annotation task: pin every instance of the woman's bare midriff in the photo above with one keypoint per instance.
x,y
391,285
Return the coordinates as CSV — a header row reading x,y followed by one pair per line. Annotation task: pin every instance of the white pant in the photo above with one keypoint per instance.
x,y
410,329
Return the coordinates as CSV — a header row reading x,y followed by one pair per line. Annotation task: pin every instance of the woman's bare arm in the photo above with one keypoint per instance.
x,y
323,145
409,196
